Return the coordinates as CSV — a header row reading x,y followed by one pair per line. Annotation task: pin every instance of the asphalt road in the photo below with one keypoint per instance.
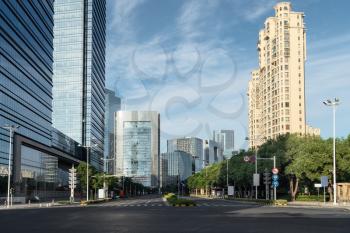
x,y
150,214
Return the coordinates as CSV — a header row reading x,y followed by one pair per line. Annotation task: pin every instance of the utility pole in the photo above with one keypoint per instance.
x,y
227,175
256,172
87,173
274,187
11,129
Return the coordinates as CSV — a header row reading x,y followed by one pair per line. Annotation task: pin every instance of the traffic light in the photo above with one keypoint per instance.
x,y
72,182
267,178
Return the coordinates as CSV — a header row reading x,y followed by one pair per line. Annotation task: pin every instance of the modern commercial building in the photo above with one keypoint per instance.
x,y
276,92
112,105
41,155
191,145
175,166
79,73
212,152
137,137
225,138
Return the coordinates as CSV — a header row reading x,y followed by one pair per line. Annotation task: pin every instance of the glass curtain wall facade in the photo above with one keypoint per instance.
x,y
191,145
137,151
137,146
42,175
225,139
112,105
79,72
25,72
176,166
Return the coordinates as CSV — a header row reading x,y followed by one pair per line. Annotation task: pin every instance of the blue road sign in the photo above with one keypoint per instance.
x,y
275,177
275,183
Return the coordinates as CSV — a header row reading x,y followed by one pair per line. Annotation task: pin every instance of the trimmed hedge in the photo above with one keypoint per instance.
x,y
174,201
311,198
261,201
94,201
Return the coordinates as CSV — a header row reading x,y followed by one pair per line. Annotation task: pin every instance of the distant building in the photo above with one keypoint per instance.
x,y
225,138
276,91
79,73
137,146
312,131
212,151
112,105
191,145
175,166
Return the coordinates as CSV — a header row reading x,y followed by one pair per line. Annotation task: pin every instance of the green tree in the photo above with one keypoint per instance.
x,y
81,175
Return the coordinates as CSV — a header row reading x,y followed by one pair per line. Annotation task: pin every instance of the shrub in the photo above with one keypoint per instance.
x,y
281,202
311,198
174,201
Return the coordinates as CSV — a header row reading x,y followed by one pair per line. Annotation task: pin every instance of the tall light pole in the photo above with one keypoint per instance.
x,y
11,129
333,103
227,174
87,168
256,161
105,164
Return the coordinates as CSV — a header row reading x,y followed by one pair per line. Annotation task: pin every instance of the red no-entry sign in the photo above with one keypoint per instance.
x,y
274,171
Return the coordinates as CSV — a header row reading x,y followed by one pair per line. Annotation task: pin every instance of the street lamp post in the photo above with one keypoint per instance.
x,y
87,168
333,103
104,174
226,175
256,162
11,129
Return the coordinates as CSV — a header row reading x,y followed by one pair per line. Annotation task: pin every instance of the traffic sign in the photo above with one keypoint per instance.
x,y
256,179
275,171
324,181
246,159
274,177
275,183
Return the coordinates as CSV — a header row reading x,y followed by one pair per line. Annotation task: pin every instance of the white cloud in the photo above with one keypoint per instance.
x,y
122,13
256,9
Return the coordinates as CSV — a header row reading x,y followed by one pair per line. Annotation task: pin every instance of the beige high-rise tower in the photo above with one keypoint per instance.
x,y
276,93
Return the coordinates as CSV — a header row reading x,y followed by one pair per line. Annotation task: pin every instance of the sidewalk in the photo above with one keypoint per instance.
x,y
316,204
37,205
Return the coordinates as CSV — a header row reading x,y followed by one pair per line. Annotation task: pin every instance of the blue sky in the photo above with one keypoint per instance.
x,y
191,61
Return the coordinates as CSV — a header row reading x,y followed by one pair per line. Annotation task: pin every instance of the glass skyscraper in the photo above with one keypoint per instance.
x,y
41,155
137,146
191,145
225,138
112,105
25,70
175,166
79,72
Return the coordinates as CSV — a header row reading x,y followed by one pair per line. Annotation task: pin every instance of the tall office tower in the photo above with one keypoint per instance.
x,y
225,138
79,72
191,145
137,146
175,166
112,105
40,155
212,152
276,91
